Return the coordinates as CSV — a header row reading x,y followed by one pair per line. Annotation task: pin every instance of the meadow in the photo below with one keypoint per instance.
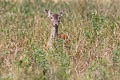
x,y
93,27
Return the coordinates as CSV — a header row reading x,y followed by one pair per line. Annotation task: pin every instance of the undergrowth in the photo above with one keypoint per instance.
x,y
94,49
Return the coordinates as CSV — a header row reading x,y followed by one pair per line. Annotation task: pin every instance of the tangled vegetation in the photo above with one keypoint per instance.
x,y
93,27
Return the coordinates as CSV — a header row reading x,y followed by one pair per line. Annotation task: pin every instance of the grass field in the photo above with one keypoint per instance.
x,y
93,27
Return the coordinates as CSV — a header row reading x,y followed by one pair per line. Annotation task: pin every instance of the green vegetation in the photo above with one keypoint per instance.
x,y
94,49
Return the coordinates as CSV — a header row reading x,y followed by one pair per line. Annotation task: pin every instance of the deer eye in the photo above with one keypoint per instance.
x,y
51,18
58,17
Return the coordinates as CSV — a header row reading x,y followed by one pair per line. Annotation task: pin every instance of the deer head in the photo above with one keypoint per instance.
x,y
55,18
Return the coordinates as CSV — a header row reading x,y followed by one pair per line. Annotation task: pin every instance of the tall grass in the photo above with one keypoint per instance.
x,y
93,27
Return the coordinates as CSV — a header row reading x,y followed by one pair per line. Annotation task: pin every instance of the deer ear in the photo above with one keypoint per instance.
x,y
61,13
48,12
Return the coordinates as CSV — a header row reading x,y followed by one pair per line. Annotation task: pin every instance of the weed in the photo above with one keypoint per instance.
x,y
93,28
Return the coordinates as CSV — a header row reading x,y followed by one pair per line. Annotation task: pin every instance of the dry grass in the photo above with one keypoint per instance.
x,y
92,25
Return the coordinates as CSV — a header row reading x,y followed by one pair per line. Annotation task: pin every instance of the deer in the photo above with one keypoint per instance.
x,y
55,20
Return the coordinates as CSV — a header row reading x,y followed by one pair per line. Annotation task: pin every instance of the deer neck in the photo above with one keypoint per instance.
x,y
53,35
54,32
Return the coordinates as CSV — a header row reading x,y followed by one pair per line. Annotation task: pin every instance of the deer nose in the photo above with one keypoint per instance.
x,y
56,23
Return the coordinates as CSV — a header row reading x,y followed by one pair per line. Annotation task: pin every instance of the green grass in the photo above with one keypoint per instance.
x,y
94,50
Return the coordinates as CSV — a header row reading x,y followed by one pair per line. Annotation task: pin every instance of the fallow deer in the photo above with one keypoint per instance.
x,y
55,19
